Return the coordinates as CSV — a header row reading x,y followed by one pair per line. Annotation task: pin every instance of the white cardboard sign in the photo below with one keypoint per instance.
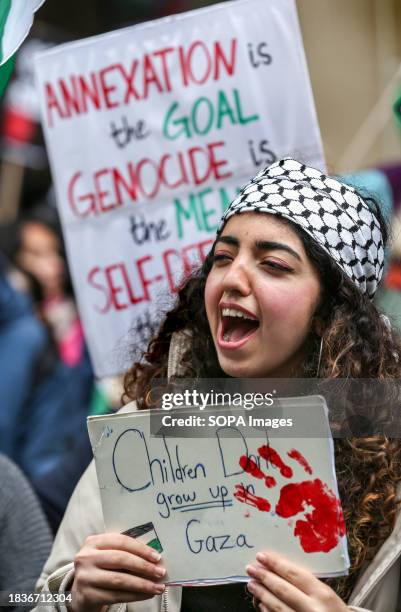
x,y
210,504
151,131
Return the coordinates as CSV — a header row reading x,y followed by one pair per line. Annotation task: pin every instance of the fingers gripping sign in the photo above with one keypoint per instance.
x,y
115,568
279,585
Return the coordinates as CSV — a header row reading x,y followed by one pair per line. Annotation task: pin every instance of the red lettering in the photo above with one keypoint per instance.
x,y
115,84
220,59
194,162
142,164
133,299
192,262
108,89
89,92
119,292
183,66
52,103
70,98
144,281
91,280
170,275
184,262
149,76
198,44
115,289
120,183
112,187
73,199
204,248
129,81
101,194
162,53
182,178
188,264
216,164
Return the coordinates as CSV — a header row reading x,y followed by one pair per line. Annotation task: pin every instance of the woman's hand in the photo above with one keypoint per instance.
x,y
281,586
114,568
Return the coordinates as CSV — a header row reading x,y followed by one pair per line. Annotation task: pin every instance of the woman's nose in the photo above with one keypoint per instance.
x,y
237,278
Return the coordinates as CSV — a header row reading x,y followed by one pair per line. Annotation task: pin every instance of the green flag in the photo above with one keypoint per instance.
x,y
16,18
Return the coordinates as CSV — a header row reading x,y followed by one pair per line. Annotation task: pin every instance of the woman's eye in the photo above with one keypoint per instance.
x,y
220,257
273,265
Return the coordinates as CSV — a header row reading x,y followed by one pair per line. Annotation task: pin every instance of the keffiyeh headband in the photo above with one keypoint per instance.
x,y
332,213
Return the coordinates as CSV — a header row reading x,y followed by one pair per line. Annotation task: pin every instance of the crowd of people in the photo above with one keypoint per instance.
x,y
303,281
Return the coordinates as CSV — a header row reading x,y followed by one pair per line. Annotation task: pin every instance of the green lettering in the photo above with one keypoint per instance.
x,y
182,122
181,213
225,199
196,209
194,116
243,120
224,109
206,213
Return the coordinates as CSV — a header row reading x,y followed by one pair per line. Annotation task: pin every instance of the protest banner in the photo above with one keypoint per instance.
x,y
210,506
151,131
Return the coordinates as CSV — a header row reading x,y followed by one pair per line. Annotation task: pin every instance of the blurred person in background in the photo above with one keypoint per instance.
x,y
35,247
45,401
22,342
25,538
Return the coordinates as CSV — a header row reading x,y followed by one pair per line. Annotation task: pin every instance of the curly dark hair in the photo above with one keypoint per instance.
x,y
356,343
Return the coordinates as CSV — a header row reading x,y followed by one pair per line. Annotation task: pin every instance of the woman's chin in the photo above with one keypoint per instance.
x,y
239,369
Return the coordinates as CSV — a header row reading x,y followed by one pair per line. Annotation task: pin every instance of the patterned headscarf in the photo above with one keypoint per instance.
x,y
332,213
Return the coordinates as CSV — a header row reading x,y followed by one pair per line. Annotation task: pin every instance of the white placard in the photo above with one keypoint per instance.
x,y
210,504
151,130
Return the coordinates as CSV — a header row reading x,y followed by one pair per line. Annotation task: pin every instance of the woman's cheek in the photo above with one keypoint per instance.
x,y
288,312
277,302
212,299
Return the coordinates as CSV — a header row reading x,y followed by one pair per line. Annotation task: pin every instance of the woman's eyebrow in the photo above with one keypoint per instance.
x,y
227,240
268,245
261,245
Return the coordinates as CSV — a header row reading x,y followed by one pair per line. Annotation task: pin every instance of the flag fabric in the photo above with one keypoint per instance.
x,y
147,534
397,108
16,18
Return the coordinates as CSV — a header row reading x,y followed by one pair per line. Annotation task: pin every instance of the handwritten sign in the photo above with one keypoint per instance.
x,y
210,506
151,131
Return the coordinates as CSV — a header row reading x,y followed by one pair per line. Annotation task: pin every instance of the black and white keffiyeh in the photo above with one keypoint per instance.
x,y
331,212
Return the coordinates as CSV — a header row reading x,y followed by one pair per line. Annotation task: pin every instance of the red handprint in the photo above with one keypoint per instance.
x,y
319,530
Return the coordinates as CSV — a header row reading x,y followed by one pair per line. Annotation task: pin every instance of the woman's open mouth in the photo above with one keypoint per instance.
x,y
236,327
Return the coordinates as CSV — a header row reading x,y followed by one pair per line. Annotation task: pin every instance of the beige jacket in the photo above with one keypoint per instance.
x,y
376,590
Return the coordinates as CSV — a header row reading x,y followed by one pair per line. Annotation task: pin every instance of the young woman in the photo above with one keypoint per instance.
x,y
285,292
